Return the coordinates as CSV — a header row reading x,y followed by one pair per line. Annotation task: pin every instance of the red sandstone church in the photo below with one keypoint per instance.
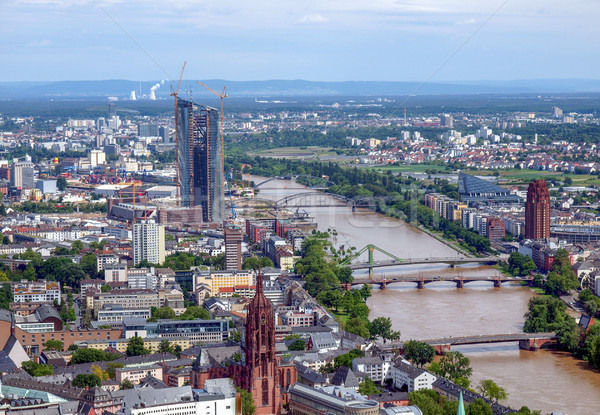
x,y
254,366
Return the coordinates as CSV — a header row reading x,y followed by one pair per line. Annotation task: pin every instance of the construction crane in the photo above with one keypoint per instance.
x,y
222,95
229,178
174,94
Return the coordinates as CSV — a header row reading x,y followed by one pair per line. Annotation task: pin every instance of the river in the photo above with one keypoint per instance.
x,y
547,380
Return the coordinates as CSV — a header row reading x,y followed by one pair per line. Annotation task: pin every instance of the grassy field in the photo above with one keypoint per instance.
x,y
301,152
506,177
340,316
411,168
515,176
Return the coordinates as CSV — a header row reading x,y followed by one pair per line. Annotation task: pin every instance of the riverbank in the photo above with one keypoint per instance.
x,y
444,241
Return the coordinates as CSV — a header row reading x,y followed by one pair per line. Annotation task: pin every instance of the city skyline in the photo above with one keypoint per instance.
x,y
387,40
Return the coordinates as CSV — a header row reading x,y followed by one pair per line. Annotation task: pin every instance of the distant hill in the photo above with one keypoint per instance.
x,y
121,89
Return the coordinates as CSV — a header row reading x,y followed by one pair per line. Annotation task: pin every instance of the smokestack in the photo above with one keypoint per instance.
x,y
152,93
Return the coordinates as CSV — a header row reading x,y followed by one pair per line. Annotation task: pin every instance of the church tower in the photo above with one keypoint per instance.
x,y
261,367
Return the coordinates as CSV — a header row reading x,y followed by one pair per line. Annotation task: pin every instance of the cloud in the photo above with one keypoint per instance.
x,y
313,18
39,43
470,21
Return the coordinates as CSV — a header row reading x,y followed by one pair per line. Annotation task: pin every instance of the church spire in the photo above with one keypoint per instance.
x,y
461,405
259,283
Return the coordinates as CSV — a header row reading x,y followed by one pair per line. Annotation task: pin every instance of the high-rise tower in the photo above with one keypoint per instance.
x,y
199,159
537,211
233,248
148,242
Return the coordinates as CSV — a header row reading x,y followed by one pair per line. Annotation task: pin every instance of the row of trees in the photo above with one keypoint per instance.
x,y
324,281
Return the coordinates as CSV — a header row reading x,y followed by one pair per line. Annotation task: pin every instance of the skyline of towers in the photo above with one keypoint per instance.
x,y
200,159
537,211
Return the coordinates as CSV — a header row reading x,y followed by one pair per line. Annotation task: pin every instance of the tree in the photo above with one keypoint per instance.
x,y
520,264
418,352
106,288
76,247
490,390
37,369
454,366
135,347
89,264
61,183
479,407
126,384
347,358
345,275
86,355
251,263
381,327
297,345
111,368
358,326
365,291
165,346
194,312
54,345
164,313
266,262
427,400
86,380
6,296
368,387
248,406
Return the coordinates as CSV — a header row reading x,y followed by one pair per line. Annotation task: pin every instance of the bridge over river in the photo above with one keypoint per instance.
x,y
459,280
433,260
527,341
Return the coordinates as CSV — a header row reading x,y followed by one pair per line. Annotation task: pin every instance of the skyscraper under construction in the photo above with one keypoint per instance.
x,y
200,159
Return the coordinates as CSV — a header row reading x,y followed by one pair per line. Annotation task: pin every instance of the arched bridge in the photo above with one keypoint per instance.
x,y
460,281
433,260
527,341
318,199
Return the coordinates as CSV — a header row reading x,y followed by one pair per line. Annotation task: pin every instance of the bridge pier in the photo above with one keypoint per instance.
x,y
420,284
533,344
497,283
460,283
382,285
440,349
371,273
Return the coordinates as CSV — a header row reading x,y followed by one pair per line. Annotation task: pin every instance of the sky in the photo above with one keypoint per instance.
x,y
317,40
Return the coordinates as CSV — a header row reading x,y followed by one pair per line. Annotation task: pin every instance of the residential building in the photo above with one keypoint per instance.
x,y
413,378
36,291
495,229
104,259
225,279
115,273
148,242
137,373
375,367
